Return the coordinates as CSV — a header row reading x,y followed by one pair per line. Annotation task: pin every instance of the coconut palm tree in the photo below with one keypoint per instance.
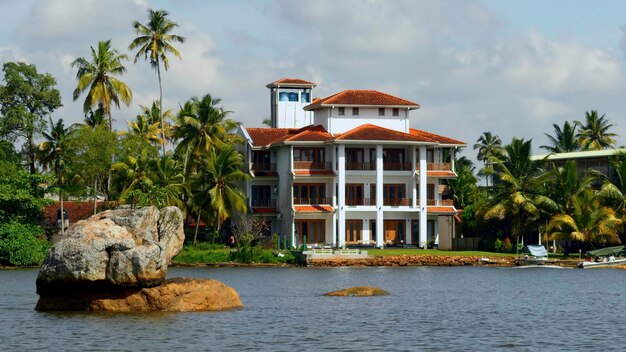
x,y
593,133
564,139
97,78
589,222
52,156
168,177
519,195
95,118
489,148
565,184
214,184
152,114
154,42
134,174
144,130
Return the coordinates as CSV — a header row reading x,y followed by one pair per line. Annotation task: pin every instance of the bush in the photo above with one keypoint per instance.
x,y
497,246
507,246
22,245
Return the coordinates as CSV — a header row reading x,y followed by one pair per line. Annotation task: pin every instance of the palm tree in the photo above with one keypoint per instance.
x,y
519,194
152,114
267,122
613,191
564,140
134,174
97,78
95,118
489,147
214,185
154,42
144,130
593,133
51,155
565,184
589,222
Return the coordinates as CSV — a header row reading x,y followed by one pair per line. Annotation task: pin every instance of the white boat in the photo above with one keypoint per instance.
x,y
605,257
532,255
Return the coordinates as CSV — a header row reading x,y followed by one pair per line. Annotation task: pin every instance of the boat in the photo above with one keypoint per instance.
x,y
605,257
532,255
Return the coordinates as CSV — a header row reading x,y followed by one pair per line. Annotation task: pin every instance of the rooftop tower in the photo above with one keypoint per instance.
x,y
288,97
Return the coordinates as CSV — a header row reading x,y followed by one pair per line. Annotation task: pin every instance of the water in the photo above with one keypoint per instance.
x,y
429,309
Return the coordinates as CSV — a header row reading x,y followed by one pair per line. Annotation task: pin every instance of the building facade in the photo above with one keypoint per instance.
x,y
348,169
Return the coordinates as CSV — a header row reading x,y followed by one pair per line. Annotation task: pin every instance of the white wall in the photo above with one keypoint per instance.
x,y
334,123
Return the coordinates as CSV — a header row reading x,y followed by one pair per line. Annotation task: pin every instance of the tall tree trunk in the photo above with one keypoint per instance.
x,y
62,212
195,236
95,204
161,108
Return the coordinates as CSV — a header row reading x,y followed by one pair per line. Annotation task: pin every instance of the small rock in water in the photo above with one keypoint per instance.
x,y
359,291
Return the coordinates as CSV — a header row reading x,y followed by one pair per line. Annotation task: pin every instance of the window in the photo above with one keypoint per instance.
x,y
355,111
354,194
381,111
309,193
341,111
394,194
308,154
395,112
262,196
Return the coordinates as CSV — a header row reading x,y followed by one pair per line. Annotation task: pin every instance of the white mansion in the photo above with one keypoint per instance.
x,y
348,169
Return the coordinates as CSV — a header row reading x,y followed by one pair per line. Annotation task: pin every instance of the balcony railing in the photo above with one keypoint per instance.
x,y
360,166
439,202
360,201
438,166
396,202
397,166
263,203
312,201
266,167
312,165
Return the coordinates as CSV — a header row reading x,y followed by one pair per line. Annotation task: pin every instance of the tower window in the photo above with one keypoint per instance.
x,y
395,112
355,111
342,111
381,111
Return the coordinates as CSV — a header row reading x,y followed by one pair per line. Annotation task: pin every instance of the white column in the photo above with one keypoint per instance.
x,y
365,233
380,234
422,203
413,185
341,196
452,157
334,239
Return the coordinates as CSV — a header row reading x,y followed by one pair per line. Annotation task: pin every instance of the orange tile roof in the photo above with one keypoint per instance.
x,y
291,82
369,132
362,97
434,137
263,137
263,209
313,172
440,173
314,208
448,210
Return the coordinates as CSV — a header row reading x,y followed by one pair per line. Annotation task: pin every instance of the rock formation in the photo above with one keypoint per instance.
x,y
118,260
359,291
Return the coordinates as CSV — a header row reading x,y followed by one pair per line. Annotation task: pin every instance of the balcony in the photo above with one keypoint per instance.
x,y
387,166
438,166
312,201
265,169
312,165
439,202
397,202
360,202
360,166
264,203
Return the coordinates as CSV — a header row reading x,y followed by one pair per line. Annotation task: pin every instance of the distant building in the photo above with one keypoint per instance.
x,y
585,160
348,169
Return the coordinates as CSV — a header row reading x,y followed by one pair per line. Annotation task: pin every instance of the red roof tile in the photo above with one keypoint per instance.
x,y
291,82
369,132
447,210
440,173
314,208
263,209
262,137
362,97
434,137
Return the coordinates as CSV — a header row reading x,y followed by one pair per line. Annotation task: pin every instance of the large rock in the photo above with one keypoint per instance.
x,y
173,295
122,247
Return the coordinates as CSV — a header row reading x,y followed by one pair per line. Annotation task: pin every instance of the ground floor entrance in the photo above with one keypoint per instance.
x,y
313,230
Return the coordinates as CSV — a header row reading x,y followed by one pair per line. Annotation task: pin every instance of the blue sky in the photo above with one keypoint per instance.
x,y
510,67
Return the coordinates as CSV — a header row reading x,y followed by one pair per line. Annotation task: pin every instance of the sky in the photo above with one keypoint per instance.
x,y
510,67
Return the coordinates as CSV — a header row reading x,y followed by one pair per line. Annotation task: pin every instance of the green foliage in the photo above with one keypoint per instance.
x,y
593,133
22,245
26,98
22,197
200,253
